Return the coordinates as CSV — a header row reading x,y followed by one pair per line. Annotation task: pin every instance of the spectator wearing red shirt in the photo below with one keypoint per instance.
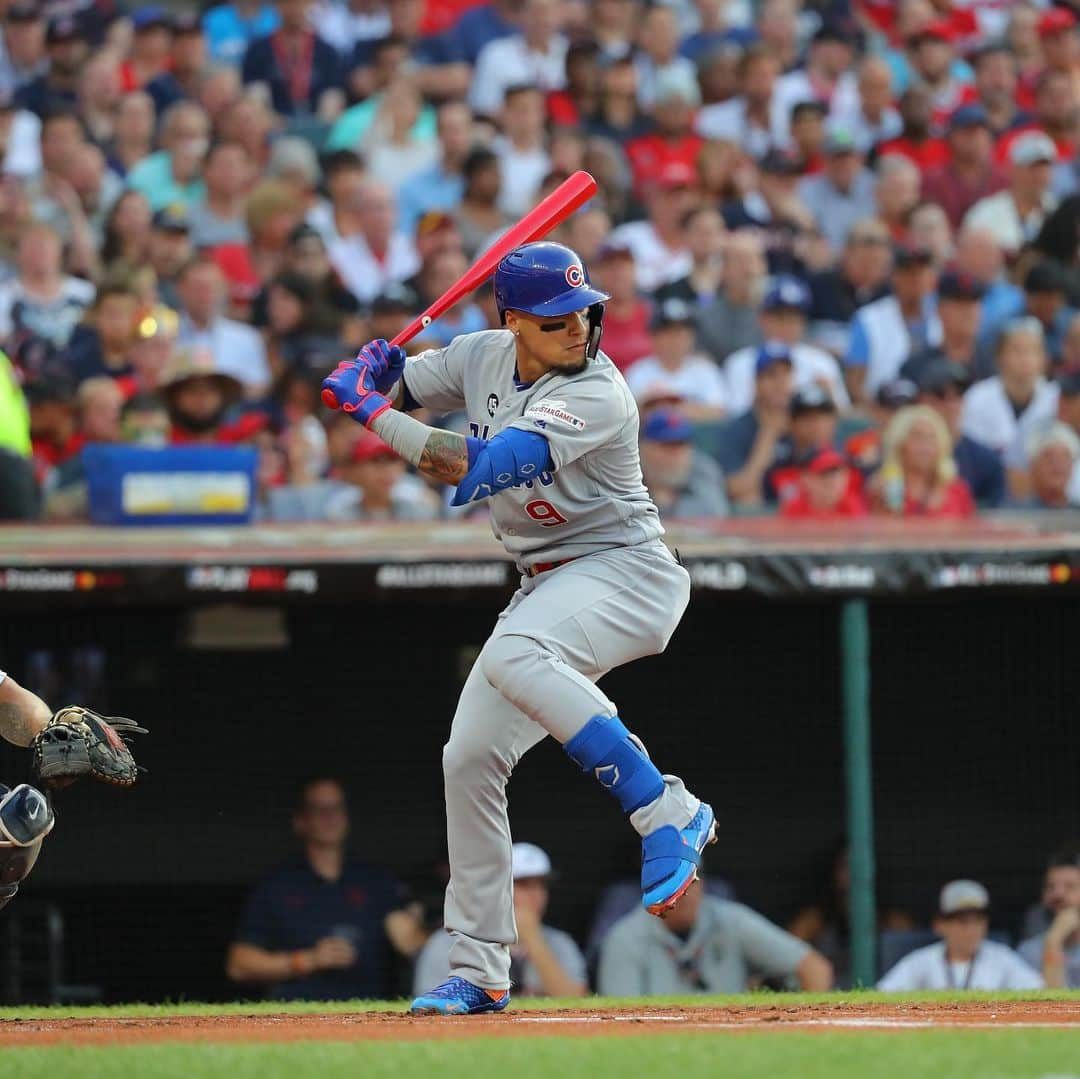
x,y
825,491
626,314
673,141
917,141
970,173
918,477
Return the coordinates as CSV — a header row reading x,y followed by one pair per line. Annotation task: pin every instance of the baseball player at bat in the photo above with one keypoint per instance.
x,y
553,449
66,745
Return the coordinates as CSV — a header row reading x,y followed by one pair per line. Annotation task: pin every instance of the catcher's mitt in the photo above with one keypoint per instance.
x,y
77,742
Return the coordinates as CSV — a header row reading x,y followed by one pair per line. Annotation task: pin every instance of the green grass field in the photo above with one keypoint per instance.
x,y
827,1054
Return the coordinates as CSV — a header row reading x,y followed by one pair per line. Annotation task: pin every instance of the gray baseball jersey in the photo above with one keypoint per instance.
x,y
595,499
728,944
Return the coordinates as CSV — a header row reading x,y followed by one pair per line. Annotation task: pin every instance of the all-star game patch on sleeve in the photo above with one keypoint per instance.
x,y
576,417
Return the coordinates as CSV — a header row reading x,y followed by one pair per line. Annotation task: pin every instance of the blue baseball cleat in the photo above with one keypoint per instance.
x,y
670,860
456,996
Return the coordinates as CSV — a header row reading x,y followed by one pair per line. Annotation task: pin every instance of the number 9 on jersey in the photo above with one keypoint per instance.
x,y
544,513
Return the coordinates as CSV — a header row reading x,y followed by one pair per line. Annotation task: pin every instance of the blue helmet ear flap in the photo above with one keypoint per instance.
x,y
596,328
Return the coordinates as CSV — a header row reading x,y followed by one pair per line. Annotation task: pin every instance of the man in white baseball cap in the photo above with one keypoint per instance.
x,y
963,958
544,961
1016,214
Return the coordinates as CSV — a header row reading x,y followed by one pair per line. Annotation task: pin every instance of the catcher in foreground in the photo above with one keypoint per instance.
x,y
66,745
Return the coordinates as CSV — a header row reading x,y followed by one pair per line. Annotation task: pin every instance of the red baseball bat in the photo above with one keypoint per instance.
x,y
568,197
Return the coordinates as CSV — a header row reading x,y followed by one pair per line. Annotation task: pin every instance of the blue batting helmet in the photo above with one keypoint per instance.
x,y
544,279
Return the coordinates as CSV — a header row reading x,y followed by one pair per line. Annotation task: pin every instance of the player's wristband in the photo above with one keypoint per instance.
x,y
299,964
404,435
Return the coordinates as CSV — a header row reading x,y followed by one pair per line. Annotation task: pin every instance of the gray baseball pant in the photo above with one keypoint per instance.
x,y
560,633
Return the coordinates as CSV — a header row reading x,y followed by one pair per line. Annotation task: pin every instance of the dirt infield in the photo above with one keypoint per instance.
x,y
394,1026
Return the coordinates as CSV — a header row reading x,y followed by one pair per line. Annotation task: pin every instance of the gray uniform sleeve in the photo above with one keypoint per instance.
x,y
436,378
576,418
769,949
620,972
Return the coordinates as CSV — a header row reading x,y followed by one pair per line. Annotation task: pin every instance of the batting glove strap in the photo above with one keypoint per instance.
x,y
353,384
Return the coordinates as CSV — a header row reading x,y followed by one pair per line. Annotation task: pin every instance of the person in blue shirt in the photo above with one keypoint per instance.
x,y
317,928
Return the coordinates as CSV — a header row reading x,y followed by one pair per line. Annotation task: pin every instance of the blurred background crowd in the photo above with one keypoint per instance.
x,y
840,236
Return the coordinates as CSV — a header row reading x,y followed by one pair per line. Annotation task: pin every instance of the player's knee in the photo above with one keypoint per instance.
x,y
505,661
465,761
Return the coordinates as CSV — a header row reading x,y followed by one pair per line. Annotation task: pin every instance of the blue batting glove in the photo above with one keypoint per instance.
x,y
353,384
384,361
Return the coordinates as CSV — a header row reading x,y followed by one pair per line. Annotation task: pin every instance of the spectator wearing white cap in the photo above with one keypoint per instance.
x,y
963,958
1016,214
543,961
1052,452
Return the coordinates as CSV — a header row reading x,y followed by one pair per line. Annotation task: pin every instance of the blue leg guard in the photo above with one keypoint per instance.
x,y
607,749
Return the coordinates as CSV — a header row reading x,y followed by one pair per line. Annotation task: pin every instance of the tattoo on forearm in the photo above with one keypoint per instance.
x,y
15,725
445,456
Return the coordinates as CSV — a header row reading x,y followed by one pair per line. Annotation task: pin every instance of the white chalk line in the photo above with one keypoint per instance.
x,y
861,1022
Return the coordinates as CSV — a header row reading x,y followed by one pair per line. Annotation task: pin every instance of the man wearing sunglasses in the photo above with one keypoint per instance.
x,y
554,451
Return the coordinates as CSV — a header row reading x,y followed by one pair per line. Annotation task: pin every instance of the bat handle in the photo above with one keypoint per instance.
x,y
329,399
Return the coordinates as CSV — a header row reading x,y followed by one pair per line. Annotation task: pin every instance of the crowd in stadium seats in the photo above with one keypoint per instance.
x,y
839,236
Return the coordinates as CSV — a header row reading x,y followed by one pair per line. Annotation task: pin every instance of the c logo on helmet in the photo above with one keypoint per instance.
x,y
575,276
